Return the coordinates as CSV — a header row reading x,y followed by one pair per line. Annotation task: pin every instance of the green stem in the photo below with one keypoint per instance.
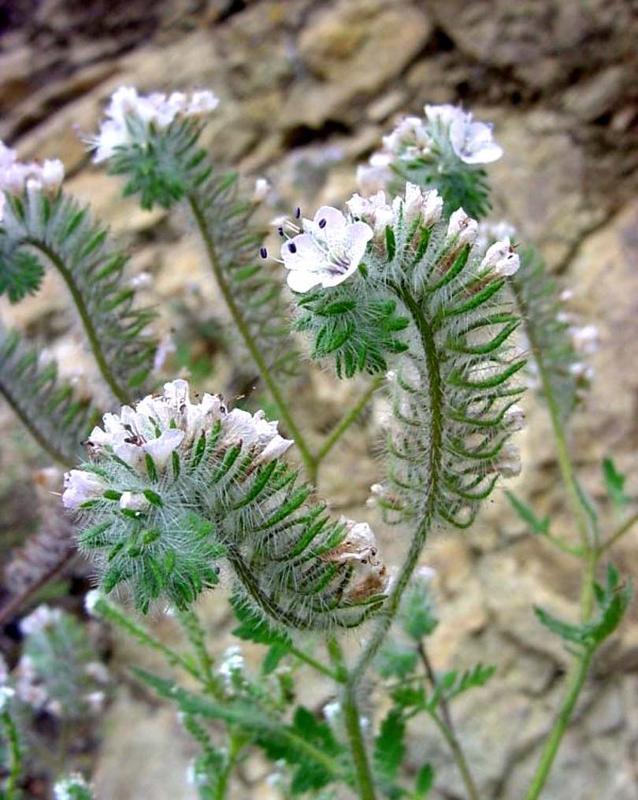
x,y
15,756
458,755
446,726
620,532
352,718
235,745
112,614
196,636
576,681
341,427
244,330
44,443
317,665
94,341
419,538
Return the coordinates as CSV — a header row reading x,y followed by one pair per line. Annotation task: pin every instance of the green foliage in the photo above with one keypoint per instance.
x,y
424,782
535,524
306,745
396,659
550,342
168,166
614,484
389,745
217,504
612,600
49,406
254,628
38,231
459,184
416,613
72,788
359,332
452,684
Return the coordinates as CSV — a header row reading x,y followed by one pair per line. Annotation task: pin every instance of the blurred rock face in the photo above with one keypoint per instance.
x,y
307,90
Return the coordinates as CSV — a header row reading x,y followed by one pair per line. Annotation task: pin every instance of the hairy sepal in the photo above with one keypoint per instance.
x,y
358,330
220,508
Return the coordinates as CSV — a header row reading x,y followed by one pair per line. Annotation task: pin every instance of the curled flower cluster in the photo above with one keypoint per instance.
x,y
359,550
16,176
447,136
329,249
155,109
146,437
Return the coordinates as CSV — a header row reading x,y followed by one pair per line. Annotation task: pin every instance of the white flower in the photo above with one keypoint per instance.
x,y
462,228
6,693
373,210
81,486
95,701
231,664
91,599
157,109
67,788
16,176
260,192
423,203
134,501
38,620
509,461
97,670
409,139
359,544
160,425
327,253
500,259
515,418
471,141
586,339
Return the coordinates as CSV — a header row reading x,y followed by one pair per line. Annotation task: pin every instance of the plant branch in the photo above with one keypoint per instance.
x,y
316,665
342,426
15,756
619,533
94,341
446,726
256,354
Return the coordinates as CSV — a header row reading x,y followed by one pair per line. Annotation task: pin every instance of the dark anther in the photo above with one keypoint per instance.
x,y
280,230
297,213
263,252
322,223
292,247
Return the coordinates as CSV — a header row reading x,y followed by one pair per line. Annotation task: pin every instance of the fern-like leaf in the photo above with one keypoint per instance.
x,y
40,230
48,406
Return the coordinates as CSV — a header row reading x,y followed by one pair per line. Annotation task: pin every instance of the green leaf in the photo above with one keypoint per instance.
x,y
565,630
416,614
389,745
615,484
535,524
424,782
254,628
396,660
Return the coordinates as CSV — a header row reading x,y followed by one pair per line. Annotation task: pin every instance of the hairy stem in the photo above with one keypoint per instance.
x,y
389,611
120,392
620,532
446,726
301,655
575,683
28,423
251,345
15,757
458,755
235,745
352,718
197,637
351,416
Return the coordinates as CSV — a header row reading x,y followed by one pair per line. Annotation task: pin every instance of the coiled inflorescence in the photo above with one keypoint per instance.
x,y
175,489
446,339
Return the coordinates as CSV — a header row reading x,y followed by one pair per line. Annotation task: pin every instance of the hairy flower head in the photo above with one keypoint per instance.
x,y
156,109
471,141
17,176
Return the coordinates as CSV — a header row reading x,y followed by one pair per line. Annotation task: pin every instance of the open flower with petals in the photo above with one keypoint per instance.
x,y
161,425
156,109
327,253
471,141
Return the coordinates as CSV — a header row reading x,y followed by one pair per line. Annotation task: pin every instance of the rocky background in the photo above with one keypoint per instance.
x,y
307,90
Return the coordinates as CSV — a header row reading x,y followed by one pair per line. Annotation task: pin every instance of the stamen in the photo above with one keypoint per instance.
x,y
292,247
263,252
280,230
322,223
297,213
